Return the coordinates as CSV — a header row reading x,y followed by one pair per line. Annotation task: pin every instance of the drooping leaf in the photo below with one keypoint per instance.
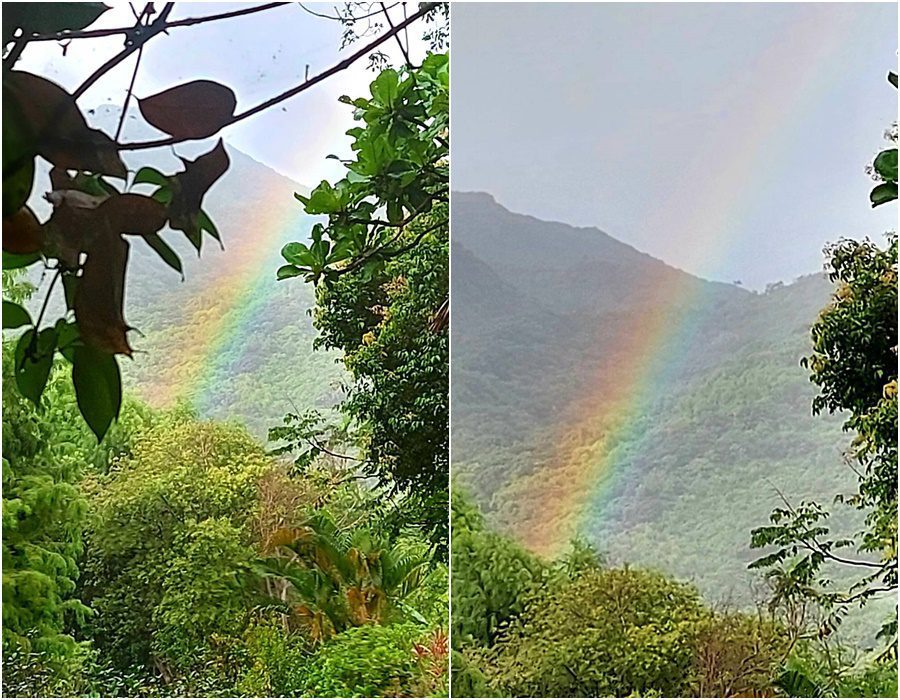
x,y
55,128
190,185
100,296
206,224
22,234
133,213
194,110
14,315
34,359
169,256
98,387
884,193
70,285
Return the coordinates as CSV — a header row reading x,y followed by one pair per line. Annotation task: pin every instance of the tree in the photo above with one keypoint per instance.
x,y
381,266
854,363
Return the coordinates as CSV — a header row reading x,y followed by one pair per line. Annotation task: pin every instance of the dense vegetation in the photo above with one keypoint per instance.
x,y
556,327
149,551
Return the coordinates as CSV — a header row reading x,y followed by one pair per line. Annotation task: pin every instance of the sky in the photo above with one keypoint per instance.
x,y
729,140
257,56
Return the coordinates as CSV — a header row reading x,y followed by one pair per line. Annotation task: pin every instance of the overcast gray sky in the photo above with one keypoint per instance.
x,y
258,56
727,139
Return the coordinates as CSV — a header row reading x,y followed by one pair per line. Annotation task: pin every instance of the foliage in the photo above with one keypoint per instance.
x,y
884,168
382,283
492,577
854,362
169,542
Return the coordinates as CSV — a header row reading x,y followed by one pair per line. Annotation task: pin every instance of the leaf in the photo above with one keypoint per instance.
x,y
100,296
194,110
886,164
52,126
34,359
169,256
15,316
150,175
133,213
892,78
884,193
190,185
288,271
18,155
98,387
22,233
67,338
12,261
70,284
49,17
206,224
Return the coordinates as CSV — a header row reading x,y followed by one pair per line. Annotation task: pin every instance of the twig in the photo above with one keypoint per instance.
x,y
128,94
396,36
187,22
424,9
140,38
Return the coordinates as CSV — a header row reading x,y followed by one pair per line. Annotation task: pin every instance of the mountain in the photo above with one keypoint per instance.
x,y
228,338
599,392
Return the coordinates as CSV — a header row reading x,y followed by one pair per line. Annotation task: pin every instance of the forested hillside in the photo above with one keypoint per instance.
x,y
551,328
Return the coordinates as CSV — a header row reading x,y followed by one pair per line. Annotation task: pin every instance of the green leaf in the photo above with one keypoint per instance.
x,y
13,261
886,164
15,316
884,193
206,224
68,337
288,271
163,195
98,387
385,87
169,256
33,362
151,176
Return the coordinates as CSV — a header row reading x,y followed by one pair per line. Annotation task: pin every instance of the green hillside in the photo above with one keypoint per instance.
x,y
718,416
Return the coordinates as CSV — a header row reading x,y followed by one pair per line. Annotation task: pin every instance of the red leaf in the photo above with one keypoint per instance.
x,y
22,233
194,110
100,296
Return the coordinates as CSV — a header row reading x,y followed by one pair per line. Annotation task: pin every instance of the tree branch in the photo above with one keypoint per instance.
x,y
396,36
187,22
424,9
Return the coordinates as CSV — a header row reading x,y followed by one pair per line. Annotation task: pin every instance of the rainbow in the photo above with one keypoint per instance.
x,y
185,356
587,466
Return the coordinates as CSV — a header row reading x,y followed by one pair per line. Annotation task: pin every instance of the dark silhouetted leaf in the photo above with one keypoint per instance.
x,y
892,78
14,315
49,17
100,295
133,213
33,362
67,339
194,110
98,387
22,233
56,129
18,154
189,187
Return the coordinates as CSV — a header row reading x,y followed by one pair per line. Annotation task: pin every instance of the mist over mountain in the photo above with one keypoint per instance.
x,y
599,392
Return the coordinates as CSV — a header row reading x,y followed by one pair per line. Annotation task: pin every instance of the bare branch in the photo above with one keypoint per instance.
x,y
424,9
